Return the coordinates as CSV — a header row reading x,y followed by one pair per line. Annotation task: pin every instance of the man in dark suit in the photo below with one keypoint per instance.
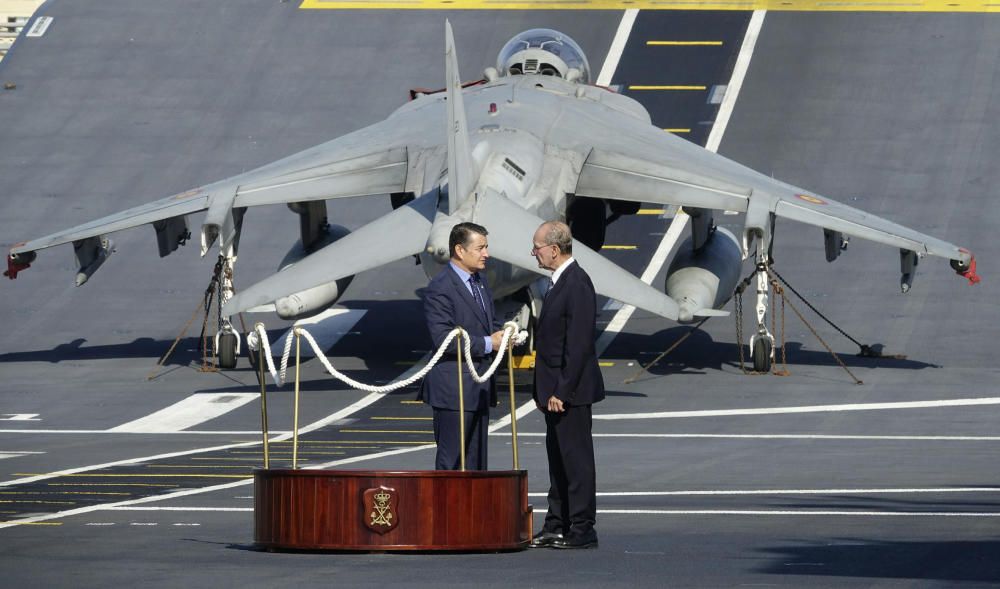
x,y
567,382
460,296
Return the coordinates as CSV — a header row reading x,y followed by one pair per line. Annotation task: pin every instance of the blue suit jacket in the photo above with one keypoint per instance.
x,y
447,304
565,355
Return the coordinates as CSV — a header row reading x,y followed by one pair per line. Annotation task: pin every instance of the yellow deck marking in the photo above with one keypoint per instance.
x,y
140,475
111,484
39,501
412,402
604,364
388,442
685,43
524,362
651,211
772,5
386,431
314,442
669,87
15,522
315,446
59,493
677,130
406,418
289,453
619,247
243,466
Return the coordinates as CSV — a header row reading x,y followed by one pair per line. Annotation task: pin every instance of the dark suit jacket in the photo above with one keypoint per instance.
x,y
447,304
565,356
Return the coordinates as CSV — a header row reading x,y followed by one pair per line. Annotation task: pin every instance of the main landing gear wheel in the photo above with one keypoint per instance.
x,y
226,351
762,355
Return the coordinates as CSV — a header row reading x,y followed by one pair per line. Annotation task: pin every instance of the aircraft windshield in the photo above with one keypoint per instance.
x,y
543,51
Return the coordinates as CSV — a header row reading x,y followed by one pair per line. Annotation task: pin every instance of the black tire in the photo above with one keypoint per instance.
x,y
227,351
762,355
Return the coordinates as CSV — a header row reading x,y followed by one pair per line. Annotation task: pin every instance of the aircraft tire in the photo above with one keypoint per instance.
x,y
762,355
227,351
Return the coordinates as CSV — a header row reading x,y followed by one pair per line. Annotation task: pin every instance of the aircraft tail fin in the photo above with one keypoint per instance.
x,y
460,167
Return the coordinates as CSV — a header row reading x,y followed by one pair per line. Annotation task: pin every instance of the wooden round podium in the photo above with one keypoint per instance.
x,y
400,510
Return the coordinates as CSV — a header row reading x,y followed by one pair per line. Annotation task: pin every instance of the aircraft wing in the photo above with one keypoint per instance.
x,y
512,229
167,208
370,161
644,164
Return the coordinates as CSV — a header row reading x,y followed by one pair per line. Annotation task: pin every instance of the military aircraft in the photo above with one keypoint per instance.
x,y
532,141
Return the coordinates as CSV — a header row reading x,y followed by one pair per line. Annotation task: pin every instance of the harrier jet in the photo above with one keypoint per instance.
x,y
533,141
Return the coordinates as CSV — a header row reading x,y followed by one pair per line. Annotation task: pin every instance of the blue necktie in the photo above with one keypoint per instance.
x,y
475,292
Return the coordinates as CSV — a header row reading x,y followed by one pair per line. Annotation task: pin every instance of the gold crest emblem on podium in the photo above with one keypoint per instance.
x,y
381,514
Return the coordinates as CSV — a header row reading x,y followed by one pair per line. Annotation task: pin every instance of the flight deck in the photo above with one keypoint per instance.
x,y
707,476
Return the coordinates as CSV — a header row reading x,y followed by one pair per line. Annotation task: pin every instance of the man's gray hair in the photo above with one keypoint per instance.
x,y
557,233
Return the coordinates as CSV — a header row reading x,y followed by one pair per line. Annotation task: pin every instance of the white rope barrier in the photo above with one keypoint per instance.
x,y
258,337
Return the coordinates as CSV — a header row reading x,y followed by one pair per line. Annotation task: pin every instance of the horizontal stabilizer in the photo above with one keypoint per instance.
x,y
398,234
512,229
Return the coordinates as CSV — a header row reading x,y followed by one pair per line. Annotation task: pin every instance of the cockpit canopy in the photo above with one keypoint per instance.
x,y
546,52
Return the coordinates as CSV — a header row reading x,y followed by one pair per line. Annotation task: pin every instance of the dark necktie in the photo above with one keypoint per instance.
x,y
474,283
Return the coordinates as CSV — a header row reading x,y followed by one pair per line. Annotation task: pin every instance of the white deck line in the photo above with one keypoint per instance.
x,y
736,82
805,512
789,437
188,412
617,47
806,409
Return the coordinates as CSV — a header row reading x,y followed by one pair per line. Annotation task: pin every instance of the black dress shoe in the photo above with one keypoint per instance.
x,y
577,541
545,539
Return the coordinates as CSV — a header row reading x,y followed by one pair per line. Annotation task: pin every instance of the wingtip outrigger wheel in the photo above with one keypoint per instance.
x,y
966,270
18,262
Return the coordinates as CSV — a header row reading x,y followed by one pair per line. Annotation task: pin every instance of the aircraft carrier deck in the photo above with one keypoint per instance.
x,y
707,477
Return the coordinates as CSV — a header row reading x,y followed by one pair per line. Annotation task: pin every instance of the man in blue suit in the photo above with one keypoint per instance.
x,y
567,383
460,296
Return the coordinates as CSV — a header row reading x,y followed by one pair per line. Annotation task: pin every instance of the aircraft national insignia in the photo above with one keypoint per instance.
x,y
380,505
812,199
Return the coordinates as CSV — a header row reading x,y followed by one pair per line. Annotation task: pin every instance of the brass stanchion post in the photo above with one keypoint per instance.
x,y
295,425
513,407
263,400
461,403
